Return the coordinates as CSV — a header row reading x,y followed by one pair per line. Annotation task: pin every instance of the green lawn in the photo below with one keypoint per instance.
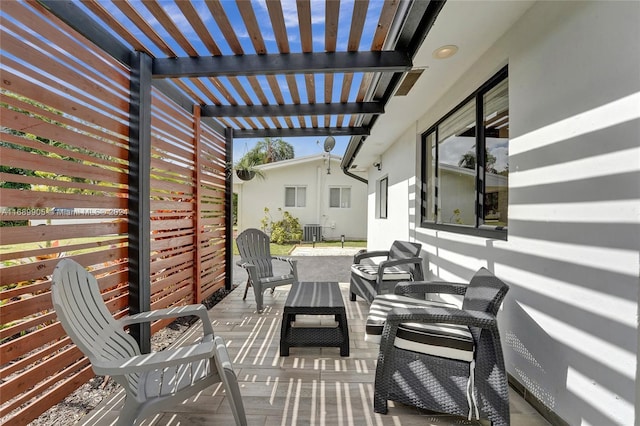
x,y
286,249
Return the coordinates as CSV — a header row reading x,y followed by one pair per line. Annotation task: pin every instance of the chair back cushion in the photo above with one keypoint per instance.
x,y
84,316
404,249
484,293
443,340
254,248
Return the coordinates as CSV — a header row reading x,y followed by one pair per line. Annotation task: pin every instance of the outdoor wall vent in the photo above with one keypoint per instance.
x,y
409,80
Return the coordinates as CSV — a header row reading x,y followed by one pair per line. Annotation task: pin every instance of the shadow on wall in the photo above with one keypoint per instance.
x,y
535,371
540,362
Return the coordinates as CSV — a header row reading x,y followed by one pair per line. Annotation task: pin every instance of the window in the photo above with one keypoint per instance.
x,y
340,198
465,169
383,190
295,196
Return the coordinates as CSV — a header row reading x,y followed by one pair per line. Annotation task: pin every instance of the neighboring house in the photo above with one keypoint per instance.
x,y
551,91
330,204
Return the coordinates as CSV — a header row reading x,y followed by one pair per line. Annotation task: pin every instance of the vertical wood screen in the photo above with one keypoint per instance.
x,y
64,113
212,211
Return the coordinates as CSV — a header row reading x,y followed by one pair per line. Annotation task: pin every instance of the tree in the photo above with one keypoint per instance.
x,y
270,150
468,161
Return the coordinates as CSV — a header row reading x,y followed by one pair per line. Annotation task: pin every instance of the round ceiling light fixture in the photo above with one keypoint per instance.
x,y
445,52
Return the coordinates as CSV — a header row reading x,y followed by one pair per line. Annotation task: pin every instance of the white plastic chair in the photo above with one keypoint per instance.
x,y
151,381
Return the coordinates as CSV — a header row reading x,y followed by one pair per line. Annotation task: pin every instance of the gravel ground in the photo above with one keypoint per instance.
x,y
88,396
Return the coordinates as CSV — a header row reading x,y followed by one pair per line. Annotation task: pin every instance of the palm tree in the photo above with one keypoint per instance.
x,y
270,150
468,161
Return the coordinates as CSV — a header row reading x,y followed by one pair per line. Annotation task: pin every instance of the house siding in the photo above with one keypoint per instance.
x,y
255,195
569,324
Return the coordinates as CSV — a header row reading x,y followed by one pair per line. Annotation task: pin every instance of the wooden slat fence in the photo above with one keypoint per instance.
x,y
64,109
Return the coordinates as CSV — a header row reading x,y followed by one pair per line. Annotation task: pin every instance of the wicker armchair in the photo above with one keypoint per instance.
x,y
402,263
256,259
440,358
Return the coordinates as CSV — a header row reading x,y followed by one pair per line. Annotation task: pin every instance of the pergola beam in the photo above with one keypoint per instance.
x,y
292,63
300,132
291,110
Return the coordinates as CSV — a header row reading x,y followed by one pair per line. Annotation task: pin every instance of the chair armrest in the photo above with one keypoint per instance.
x,y
425,287
365,254
417,261
179,311
443,315
155,360
396,262
292,262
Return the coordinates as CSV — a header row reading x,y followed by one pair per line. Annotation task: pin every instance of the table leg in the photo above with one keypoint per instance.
x,y
284,331
342,323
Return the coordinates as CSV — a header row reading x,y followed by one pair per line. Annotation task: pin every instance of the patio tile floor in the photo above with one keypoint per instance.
x,y
313,386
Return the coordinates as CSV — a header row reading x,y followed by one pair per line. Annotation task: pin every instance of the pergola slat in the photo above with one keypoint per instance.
x,y
277,21
72,15
219,14
387,14
205,90
239,88
142,24
275,89
332,14
118,27
253,28
257,88
223,90
165,20
358,18
196,22
304,23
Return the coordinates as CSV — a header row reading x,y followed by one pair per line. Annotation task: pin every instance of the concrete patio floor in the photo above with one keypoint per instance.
x,y
312,386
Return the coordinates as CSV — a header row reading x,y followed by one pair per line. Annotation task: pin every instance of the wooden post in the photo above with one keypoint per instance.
x,y
228,211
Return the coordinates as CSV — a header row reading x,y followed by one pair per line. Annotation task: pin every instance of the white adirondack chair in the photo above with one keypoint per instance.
x,y
151,380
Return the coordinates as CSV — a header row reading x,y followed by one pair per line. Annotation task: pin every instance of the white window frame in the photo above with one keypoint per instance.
x,y
383,197
344,204
298,203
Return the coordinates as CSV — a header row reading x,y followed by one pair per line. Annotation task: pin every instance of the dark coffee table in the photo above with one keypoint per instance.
x,y
314,298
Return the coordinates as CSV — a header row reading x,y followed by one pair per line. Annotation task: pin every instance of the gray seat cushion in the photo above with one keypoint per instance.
x,y
443,340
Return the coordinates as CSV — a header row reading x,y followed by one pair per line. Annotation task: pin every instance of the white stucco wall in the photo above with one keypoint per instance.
x,y
255,195
569,324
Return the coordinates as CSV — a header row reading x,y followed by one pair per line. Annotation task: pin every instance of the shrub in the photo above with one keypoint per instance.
x,y
286,230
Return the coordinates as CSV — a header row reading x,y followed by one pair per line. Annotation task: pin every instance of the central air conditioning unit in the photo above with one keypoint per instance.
x,y
311,230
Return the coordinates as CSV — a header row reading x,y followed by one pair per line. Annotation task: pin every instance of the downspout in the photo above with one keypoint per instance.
x,y
319,194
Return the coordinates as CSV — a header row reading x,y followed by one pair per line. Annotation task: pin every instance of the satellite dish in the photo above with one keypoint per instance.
x,y
329,143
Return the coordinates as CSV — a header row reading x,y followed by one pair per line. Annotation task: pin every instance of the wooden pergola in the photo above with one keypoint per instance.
x,y
226,77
